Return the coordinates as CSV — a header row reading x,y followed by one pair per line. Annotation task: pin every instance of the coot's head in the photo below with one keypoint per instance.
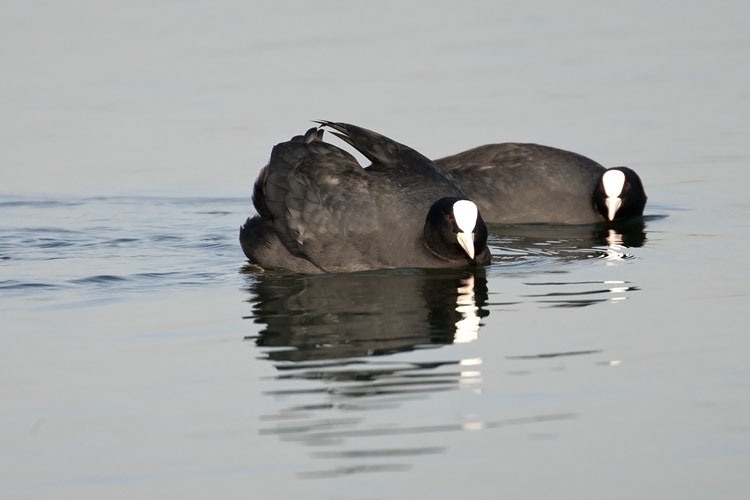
x,y
619,194
454,230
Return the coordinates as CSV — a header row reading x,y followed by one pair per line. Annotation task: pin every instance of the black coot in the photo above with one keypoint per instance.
x,y
527,183
320,211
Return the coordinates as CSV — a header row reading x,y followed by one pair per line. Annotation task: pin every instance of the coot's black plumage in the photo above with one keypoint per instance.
x,y
530,183
320,211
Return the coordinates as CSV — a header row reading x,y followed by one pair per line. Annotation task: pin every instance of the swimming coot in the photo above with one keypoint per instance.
x,y
528,183
320,211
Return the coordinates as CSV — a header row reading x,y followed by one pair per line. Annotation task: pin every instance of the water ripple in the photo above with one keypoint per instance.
x,y
576,293
101,279
118,244
17,285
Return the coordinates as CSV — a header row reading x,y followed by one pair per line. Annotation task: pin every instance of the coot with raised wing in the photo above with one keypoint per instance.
x,y
320,211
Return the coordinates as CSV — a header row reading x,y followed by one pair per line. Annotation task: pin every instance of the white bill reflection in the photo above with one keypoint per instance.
x,y
467,328
471,376
615,248
622,289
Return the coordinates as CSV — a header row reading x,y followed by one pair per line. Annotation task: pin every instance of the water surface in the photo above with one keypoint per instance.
x,y
142,357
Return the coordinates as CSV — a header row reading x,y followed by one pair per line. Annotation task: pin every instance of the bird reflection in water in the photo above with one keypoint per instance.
x,y
341,316
548,243
344,333
620,236
531,246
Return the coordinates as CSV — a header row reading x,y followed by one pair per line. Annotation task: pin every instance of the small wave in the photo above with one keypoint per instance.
x,y
44,230
119,241
165,237
155,275
19,285
215,212
21,203
101,279
556,354
49,243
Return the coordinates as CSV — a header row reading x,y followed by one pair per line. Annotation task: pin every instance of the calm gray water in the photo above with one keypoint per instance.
x,y
142,358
